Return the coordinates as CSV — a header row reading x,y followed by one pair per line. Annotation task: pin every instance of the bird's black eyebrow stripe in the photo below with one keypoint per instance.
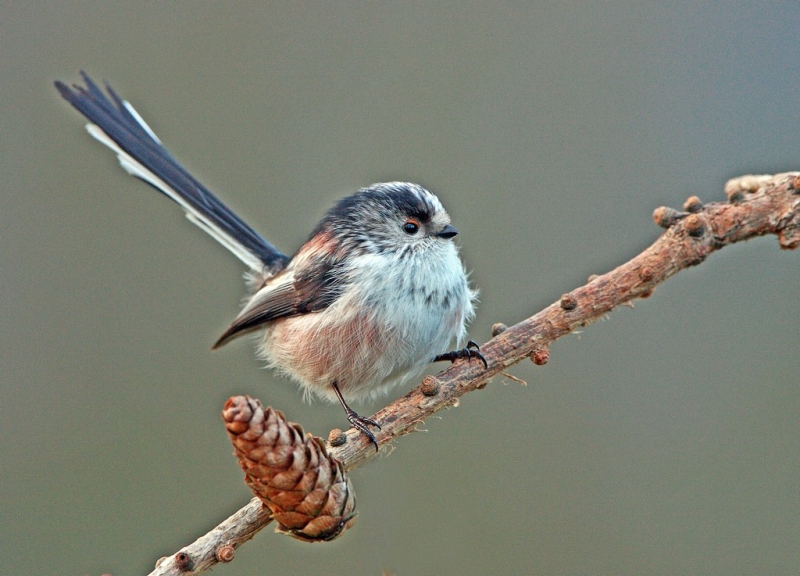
x,y
399,198
410,203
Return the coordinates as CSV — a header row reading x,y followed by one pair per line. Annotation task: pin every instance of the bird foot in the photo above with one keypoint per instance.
x,y
470,351
362,424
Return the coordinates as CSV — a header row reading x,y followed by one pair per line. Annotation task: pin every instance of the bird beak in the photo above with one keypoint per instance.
x,y
447,232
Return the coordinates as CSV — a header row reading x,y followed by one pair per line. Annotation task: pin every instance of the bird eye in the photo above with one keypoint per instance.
x,y
411,227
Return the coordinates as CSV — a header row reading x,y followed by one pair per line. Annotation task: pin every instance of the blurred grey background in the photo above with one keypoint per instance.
x,y
663,440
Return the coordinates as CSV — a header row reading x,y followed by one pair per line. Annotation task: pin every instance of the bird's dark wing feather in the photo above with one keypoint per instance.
x,y
290,293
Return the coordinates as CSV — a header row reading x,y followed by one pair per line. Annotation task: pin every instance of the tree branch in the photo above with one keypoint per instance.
x,y
758,205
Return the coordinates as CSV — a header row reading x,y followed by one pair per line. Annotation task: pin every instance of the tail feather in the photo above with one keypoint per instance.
x,y
115,123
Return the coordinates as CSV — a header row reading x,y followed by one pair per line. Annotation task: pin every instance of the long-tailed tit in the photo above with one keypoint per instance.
x,y
375,294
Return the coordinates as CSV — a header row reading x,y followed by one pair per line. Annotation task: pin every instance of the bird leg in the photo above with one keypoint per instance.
x,y
360,423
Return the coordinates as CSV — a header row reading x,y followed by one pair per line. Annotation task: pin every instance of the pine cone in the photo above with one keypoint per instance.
x,y
306,490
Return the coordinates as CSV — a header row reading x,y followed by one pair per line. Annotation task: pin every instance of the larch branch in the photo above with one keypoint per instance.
x,y
757,205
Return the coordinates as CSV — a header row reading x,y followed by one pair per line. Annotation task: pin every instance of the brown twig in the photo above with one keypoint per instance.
x,y
757,205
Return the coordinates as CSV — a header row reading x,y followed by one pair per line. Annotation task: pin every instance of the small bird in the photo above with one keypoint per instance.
x,y
374,295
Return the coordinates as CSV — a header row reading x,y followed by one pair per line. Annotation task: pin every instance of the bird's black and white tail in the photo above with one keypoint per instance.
x,y
115,123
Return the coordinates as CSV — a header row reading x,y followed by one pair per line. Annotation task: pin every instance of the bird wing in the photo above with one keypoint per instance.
x,y
293,292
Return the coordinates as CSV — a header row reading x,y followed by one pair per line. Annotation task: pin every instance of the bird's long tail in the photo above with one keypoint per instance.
x,y
115,123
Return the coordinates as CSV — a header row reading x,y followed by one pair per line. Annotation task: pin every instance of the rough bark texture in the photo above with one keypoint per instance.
x,y
757,205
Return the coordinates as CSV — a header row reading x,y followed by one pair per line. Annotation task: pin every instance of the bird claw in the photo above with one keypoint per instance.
x,y
470,351
362,424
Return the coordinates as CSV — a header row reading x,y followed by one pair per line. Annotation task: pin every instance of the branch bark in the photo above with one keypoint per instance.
x,y
757,205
